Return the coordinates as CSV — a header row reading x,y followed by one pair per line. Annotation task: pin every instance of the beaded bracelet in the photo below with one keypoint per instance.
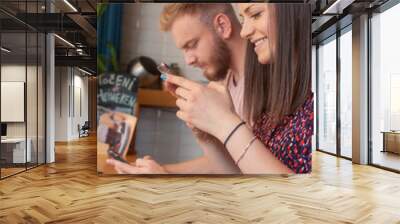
x,y
246,149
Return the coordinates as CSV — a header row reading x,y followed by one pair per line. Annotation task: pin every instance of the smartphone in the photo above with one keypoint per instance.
x,y
164,69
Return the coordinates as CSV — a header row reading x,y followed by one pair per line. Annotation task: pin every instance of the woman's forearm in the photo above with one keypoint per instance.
x,y
219,159
258,158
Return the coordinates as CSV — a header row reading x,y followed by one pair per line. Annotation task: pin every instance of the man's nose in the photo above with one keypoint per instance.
x,y
190,59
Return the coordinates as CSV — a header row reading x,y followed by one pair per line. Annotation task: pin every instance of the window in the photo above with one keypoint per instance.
x,y
346,92
327,95
385,89
23,76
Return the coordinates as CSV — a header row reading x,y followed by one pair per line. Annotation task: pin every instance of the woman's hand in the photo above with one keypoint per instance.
x,y
208,108
202,136
142,166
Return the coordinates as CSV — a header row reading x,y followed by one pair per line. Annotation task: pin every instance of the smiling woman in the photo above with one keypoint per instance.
x,y
259,26
277,93
280,40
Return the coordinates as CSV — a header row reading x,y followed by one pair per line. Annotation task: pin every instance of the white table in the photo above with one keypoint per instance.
x,y
18,145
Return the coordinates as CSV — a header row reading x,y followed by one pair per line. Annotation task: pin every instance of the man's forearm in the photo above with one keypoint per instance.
x,y
196,166
214,161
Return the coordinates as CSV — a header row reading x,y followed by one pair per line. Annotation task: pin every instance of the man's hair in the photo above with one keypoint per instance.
x,y
206,11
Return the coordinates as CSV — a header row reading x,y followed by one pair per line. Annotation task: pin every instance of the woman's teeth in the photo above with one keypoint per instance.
x,y
258,42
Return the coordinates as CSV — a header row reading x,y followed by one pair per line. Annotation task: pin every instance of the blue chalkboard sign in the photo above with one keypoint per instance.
x,y
117,92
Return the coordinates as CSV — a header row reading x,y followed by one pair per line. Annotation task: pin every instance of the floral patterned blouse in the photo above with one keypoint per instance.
x,y
290,140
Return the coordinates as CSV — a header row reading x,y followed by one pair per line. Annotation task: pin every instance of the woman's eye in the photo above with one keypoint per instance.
x,y
256,15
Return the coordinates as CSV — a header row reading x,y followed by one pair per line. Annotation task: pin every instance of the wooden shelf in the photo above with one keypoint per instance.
x,y
155,98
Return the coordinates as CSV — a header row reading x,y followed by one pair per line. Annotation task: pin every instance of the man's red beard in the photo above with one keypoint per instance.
x,y
221,59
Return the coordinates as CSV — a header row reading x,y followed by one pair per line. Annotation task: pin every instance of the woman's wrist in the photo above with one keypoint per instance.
x,y
228,124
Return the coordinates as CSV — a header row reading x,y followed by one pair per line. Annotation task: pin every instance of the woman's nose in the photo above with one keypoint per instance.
x,y
246,30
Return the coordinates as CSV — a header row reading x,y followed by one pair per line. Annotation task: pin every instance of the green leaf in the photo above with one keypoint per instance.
x,y
101,8
114,60
101,64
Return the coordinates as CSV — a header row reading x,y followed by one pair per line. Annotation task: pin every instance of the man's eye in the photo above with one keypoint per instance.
x,y
194,44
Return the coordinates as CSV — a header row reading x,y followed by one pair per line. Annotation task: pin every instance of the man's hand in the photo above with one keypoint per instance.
x,y
142,166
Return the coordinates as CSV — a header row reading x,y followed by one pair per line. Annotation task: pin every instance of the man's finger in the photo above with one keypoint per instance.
x,y
118,170
126,169
182,82
121,167
142,163
147,157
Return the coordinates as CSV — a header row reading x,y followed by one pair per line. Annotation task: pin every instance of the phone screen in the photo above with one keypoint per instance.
x,y
163,68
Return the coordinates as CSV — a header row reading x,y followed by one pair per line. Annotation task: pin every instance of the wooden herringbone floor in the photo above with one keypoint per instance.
x,y
70,191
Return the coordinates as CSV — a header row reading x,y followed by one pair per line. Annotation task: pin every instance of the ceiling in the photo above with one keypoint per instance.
x,y
331,15
76,25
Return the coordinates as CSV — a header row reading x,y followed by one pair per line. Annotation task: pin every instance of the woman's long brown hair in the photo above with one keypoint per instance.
x,y
280,87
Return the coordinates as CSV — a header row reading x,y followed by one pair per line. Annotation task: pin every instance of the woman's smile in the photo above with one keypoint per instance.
x,y
259,43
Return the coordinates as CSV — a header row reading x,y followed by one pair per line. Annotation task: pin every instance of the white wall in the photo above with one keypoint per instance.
x,y
79,117
67,115
61,103
141,36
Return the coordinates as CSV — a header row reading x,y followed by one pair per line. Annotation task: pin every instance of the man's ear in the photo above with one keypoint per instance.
x,y
223,26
